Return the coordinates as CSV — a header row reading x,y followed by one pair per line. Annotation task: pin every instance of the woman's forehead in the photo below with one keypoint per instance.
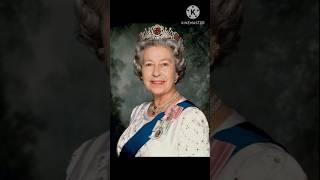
x,y
158,46
158,53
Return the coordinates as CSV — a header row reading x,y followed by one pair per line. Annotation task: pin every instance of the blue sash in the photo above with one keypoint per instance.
x,y
243,135
141,137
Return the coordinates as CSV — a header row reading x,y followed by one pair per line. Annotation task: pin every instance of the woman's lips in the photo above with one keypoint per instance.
x,y
157,82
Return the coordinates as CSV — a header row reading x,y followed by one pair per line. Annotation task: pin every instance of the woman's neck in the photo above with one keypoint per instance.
x,y
163,99
219,117
220,112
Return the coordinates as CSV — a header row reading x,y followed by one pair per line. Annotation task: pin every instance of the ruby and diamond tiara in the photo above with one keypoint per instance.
x,y
158,32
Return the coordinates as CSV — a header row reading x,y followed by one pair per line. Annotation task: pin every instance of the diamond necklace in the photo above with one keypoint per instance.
x,y
155,109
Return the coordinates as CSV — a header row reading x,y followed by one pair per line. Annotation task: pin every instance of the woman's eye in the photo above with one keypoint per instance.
x,y
148,64
165,64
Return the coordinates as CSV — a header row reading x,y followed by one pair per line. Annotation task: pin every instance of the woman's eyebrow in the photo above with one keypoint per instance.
x,y
165,59
161,60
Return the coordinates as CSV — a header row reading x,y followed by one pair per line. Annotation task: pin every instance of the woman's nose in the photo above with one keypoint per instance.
x,y
156,72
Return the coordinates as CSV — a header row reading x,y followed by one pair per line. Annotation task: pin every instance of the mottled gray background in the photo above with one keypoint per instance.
x,y
273,78
52,89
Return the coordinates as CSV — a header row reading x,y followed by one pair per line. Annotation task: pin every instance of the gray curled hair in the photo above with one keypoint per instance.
x,y
176,47
89,24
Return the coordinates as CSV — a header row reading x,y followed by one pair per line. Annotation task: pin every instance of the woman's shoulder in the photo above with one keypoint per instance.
x,y
144,104
94,143
193,116
262,160
94,151
137,109
194,112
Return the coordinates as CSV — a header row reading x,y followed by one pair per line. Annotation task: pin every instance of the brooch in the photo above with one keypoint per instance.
x,y
163,125
157,130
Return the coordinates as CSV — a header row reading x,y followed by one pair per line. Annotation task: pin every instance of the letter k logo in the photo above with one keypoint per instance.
x,y
193,12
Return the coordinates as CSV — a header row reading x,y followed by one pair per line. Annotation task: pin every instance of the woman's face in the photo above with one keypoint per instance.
x,y
158,70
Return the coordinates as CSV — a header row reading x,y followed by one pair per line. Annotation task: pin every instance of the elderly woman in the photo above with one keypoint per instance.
x,y
169,125
90,161
239,149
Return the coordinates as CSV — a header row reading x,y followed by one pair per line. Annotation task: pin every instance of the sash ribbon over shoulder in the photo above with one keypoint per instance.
x,y
141,137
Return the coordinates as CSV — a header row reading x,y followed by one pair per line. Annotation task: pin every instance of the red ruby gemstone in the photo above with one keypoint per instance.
x,y
176,36
157,30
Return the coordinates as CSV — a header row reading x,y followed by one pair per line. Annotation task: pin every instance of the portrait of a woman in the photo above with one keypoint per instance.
x,y
241,148
170,125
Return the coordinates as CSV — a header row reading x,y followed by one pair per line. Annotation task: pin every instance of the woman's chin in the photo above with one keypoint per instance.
x,y
157,92
156,88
